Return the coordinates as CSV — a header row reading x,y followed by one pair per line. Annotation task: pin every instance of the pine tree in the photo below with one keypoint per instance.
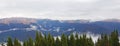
x,y
50,40
72,40
81,41
106,40
98,42
77,40
114,40
64,40
38,39
25,43
90,42
45,40
103,41
68,40
17,43
9,42
84,40
57,42
30,42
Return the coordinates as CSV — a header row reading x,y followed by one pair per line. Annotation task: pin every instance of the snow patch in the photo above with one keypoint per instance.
x,y
57,29
32,27
71,29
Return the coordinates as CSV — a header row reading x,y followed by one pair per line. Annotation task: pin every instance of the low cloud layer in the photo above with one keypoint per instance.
x,y
61,9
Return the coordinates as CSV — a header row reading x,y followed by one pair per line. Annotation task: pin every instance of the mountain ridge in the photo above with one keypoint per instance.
x,y
22,29
34,20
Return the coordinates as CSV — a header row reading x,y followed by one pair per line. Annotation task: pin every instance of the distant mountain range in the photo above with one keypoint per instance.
x,y
22,28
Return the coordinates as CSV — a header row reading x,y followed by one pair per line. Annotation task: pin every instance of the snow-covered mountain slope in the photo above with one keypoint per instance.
x,y
22,28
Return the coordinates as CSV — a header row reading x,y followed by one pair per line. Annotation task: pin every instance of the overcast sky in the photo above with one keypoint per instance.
x,y
61,9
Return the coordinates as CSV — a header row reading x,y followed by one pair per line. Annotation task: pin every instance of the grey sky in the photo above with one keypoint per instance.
x,y
61,9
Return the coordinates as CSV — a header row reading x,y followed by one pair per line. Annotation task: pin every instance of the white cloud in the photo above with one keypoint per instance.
x,y
88,0
61,9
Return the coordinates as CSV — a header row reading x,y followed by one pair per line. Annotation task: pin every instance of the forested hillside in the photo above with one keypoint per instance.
x,y
22,28
72,40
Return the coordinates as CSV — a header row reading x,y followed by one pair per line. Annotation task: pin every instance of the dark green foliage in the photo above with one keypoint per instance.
x,y
17,43
25,43
114,40
64,40
45,40
90,42
9,42
98,43
77,40
57,42
103,41
30,42
84,41
38,39
50,40
72,40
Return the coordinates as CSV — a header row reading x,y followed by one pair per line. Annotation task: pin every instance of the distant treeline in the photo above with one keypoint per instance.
x,y
72,40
